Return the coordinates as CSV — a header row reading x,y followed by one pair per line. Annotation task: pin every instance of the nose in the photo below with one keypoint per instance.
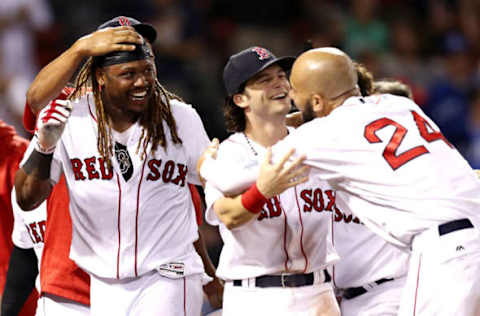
x,y
140,81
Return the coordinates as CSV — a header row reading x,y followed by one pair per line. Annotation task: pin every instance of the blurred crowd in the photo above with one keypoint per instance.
x,y
431,45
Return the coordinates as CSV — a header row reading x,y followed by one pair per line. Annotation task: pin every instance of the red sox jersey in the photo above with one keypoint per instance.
x,y
292,233
59,275
127,227
365,257
389,164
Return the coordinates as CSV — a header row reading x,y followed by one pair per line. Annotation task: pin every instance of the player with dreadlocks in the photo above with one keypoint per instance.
x,y
133,220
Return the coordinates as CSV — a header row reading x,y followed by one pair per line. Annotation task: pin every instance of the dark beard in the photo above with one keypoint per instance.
x,y
307,112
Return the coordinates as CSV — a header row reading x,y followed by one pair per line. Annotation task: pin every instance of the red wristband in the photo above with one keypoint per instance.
x,y
253,200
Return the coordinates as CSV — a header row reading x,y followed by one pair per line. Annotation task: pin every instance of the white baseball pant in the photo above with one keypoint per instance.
x,y
382,300
149,294
444,274
317,299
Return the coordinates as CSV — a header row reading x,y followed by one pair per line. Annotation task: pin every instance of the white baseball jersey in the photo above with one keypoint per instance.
x,y
127,227
29,230
390,164
291,234
365,257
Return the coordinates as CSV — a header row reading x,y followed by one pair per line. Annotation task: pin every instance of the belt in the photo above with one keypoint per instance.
x,y
455,225
285,280
353,292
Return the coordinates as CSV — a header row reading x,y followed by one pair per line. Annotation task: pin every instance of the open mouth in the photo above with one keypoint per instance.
x,y
279,96
139,96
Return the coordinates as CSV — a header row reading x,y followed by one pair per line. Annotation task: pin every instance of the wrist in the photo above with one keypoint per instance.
x,y
253,200
38,164
42,149
78,50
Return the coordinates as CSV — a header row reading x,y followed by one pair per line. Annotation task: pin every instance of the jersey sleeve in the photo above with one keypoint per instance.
x,y
29,119
232,171
20,235
212,194
194,138
325,154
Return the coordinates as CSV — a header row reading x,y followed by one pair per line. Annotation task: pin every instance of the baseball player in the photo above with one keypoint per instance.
x,y
371,273
392,167
13,148
63,287
275,252
132,217
28,233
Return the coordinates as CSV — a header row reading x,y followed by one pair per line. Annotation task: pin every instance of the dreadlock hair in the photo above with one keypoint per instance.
x,y
365,79
151,119
234,115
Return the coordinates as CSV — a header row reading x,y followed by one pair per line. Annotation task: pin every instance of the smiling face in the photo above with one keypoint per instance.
x,y
128,87
266,93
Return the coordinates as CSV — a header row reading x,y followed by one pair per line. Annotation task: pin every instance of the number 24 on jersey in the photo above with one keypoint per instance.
x,y
394,159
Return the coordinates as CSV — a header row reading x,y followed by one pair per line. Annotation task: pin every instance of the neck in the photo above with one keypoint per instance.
x,y
266,133
339,101
120,119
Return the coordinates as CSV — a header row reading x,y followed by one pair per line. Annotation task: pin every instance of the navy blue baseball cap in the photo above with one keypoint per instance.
x,y
144,29
244,65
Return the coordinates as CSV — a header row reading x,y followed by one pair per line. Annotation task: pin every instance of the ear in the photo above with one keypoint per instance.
x,y
241,100
100,76
318,104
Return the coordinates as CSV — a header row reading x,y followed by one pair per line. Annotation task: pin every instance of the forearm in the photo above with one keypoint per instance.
x,y
53,78
232,213
21,275
202,252
31,187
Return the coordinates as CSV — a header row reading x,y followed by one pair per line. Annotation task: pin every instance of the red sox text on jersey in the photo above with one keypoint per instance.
x,y
96,168
317,200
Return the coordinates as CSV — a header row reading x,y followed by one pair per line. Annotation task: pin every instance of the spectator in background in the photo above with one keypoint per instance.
x,y
20,20
448,101
183,57
473,155
365,32
404,62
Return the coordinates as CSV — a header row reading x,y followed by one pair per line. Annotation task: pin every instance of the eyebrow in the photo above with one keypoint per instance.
x,y
261,76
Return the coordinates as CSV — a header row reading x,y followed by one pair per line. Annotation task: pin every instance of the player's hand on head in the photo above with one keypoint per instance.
x,y
107,40
50,125
273,179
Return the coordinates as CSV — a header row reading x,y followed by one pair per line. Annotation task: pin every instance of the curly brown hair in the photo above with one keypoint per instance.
x,y
151,119
234,115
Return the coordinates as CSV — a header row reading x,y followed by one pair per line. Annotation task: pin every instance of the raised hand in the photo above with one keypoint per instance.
x,y
107,40
50,125
273,179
